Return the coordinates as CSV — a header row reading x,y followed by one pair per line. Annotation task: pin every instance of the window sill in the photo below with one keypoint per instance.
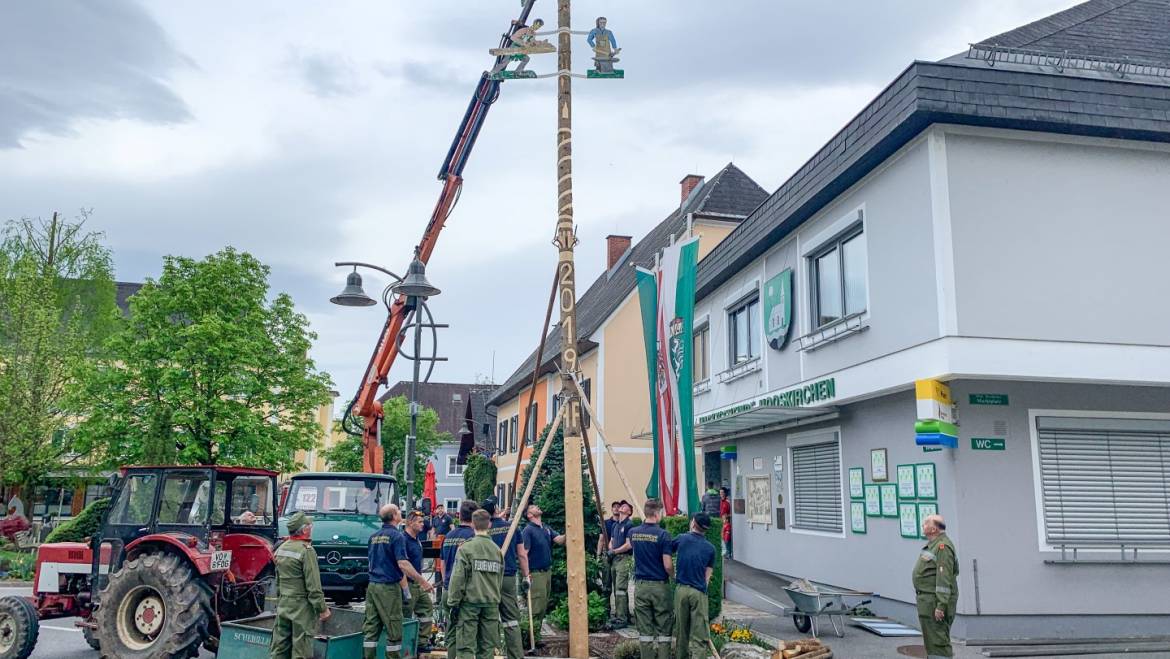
x,y
740,370
702,386
841,329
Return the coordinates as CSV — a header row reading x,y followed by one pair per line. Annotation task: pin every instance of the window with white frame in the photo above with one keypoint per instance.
x,y
838,278
743,331
453,466
702,353
1104,481
816,484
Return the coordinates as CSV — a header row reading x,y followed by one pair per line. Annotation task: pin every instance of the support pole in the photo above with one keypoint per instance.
x,y
566,240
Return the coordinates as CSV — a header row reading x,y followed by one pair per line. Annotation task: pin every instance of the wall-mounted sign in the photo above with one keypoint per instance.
x,y
988,444
988,399
778,309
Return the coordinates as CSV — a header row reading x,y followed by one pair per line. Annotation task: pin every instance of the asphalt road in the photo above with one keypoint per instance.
x,y
60,639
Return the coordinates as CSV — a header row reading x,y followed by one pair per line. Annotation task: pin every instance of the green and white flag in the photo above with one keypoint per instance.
x,y
668,347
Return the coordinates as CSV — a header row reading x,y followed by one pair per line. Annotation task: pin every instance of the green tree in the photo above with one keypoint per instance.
x,y
207,370
346,455
479,477
57,304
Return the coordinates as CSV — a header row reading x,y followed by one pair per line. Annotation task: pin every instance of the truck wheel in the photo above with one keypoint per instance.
x,y
91,638
156,607
19,628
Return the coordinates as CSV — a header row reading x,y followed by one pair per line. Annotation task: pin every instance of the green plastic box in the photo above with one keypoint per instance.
x,y
340,637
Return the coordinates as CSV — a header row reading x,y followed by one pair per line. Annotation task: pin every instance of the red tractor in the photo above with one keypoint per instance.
x,y
180,550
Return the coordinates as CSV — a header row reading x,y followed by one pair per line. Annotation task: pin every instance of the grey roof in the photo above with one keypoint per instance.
x,y
729,195
1100,28
122,292
970,92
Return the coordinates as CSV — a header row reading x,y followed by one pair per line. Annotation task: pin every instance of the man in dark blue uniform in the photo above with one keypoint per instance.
x,y
622,561
387,589
535,556
451,545
653,612
696,560
509,602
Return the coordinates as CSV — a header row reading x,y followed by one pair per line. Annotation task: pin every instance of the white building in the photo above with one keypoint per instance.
x,y
997,221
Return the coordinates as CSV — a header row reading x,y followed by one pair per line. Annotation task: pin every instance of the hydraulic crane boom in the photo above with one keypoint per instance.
x,y
365,404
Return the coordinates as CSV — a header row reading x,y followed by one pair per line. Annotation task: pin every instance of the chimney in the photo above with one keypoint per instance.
x,y
689,183
617,245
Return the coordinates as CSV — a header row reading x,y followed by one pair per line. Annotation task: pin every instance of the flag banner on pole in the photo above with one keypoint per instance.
x,y
671,376
648,301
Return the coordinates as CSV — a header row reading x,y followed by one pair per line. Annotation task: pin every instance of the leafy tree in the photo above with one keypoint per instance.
x,y
57,304
346,455
479,477
208,370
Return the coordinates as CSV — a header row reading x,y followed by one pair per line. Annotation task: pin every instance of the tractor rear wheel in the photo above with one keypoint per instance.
x,y
19,627
155,606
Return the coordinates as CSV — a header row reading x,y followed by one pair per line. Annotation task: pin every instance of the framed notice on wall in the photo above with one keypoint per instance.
x,y
907,487
924,477
857,516
759,500
889,496
873,501
908,520
879,465
856,483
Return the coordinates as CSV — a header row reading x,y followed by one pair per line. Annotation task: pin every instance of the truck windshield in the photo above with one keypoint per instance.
x,y
337,495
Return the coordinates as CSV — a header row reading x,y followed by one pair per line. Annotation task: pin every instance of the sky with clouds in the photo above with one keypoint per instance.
x,y
310,132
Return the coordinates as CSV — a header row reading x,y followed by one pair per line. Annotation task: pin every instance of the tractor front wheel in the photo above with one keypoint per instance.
x,y
155,606
19,628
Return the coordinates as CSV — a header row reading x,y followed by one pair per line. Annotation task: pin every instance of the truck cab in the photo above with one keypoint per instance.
x,y
344,508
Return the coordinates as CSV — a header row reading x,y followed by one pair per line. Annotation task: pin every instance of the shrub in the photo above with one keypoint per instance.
x,y
680,524
85,525
598,612
627,650
479,477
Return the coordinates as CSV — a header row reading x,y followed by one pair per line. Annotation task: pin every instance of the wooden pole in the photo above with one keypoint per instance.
x,y
566,240
609,449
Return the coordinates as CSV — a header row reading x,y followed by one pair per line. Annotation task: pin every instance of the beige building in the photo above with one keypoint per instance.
x,y
612,348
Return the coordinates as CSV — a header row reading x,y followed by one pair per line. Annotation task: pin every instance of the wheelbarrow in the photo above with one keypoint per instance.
x,y
811,602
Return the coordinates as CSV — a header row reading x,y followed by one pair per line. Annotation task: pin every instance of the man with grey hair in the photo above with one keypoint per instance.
x,y
936,587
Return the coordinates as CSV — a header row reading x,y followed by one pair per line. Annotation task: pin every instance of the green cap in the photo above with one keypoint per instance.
x,y
298,521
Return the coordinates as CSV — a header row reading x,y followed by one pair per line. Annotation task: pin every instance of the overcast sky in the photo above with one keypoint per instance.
x,y
311,132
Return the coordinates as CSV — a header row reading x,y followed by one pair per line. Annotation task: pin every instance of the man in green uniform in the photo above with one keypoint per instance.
x,y
653,612
387,591
696,561
509,602
535,554
936,587
475,592
420,607
622,559
301,602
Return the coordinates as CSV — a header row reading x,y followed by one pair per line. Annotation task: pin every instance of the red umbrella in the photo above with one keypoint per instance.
x,y
429,490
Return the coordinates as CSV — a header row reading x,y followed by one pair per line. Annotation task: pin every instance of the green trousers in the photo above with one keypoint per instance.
x,y
451,631
292,636
479,631
540,592
383,613
936,635
623,569
422,609
654,617
690,623
510,618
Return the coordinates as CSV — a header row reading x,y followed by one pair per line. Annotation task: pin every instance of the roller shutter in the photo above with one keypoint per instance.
x,y
816,486
1105,481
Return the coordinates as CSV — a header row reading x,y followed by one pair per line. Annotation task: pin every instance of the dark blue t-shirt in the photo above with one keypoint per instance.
x,y
498,532
651,542
386,548
538,542
451,545
617,536
414,552
695,555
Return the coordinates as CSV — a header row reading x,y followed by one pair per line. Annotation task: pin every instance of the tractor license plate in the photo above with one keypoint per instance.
x,y
221,560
